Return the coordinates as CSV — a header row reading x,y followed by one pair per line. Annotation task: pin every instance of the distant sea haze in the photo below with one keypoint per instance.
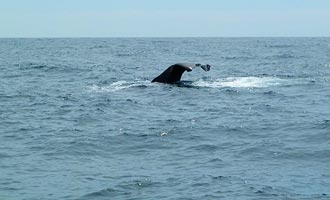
x,y
80,119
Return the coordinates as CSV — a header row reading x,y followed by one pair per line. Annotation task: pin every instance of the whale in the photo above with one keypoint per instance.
x,y
174,72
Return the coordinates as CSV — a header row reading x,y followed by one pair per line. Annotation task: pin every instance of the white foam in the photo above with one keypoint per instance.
x,y
235,82
241,82
116,86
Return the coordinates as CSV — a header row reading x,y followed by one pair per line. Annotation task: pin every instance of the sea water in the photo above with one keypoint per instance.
x,y
80,119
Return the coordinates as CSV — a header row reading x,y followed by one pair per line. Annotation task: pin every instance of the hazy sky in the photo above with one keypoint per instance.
x,y
157,18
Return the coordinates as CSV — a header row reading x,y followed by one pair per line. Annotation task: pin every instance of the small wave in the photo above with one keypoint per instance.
x,y
123,189
242,82
119,85
284,56
99,47
280,46
204,147
108,192
160,41
236,57
35,66
124,54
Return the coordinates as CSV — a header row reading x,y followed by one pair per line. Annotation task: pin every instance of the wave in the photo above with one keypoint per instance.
x,y
123,189
277,46
35,66
108,192
236,57
124,54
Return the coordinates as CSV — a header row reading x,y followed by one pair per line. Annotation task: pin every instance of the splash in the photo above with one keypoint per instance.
x,y
234,82
242,82
119,85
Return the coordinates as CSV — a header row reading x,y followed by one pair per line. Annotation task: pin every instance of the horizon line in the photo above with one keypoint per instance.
x,y
82,37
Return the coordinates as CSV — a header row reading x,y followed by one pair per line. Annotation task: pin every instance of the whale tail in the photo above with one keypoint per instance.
x,y
174,72
206,67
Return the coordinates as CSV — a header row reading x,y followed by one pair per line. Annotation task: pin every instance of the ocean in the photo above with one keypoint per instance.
x,y
80,119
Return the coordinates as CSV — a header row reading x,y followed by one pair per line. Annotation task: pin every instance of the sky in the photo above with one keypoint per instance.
x,y
164,18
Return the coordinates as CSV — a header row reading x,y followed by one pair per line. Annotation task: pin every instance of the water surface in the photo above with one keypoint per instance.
x,y
79,119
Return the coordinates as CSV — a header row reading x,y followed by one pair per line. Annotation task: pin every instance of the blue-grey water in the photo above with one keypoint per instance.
x,y
80,120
